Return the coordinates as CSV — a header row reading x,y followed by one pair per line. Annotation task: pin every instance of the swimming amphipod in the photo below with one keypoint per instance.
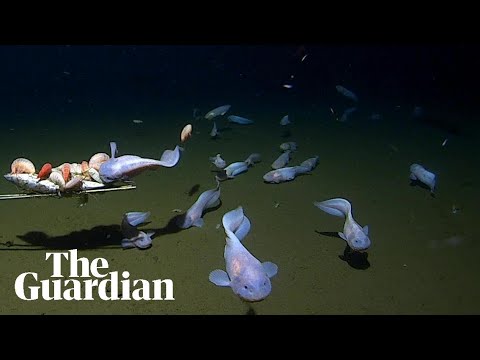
x,y
186,133
97,160
22,166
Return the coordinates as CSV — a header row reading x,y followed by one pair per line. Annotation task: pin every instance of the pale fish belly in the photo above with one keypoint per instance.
x,y
238,262
125,167
136,168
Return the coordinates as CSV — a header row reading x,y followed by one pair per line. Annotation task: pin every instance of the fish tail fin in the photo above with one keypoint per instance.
x,y
337,207
170,158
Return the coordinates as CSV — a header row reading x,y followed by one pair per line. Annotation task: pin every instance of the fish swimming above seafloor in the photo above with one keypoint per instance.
x,y
127,166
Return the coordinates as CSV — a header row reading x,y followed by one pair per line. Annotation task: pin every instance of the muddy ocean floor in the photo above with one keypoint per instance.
x,y
423,258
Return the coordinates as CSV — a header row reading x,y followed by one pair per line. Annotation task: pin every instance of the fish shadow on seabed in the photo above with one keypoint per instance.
x,y
193,190
96,237
109,236
104,236
250,310
355,259
422,185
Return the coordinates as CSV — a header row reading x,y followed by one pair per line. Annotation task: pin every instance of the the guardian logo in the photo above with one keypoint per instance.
x,y
90,283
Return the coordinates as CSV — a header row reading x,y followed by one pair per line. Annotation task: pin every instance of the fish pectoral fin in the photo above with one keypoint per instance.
x,y
198,223
412,176
365,230
342,235
270,268
219,278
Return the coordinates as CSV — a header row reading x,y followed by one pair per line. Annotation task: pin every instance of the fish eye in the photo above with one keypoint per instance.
x,y
246,287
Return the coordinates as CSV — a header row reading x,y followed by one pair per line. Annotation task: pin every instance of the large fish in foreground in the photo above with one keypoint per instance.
x,y
246,275
127,166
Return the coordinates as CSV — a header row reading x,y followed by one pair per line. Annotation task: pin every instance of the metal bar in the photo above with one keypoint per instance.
x,y
29,196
